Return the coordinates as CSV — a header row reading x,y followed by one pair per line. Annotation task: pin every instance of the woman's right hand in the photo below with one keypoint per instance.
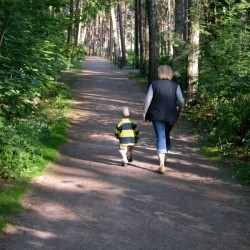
x,y
144,119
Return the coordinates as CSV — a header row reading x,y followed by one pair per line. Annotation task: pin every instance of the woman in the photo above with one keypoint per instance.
x,y
163,104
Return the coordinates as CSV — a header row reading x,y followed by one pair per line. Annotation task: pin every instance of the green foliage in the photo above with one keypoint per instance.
x,y
130,59
223,109
22,140
19,150
31,53
91,8
165,60
32,56
242,172
76,52
76,66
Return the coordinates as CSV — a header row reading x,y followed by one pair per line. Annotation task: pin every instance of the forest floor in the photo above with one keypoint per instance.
x,y
89,201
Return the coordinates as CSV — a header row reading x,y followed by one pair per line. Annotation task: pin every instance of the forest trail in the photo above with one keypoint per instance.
x,y
89,201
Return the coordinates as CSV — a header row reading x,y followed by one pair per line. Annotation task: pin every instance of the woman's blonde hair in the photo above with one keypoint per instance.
x,y
165,72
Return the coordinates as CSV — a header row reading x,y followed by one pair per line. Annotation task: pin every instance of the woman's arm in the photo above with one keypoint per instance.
x,y
180,98
147,100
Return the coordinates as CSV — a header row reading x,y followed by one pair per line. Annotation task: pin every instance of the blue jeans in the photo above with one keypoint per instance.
x,y
162,131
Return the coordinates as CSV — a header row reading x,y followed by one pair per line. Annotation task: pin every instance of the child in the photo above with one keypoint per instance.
x,y
127,133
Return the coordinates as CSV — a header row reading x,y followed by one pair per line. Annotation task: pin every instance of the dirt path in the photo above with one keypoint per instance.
x,y
90,202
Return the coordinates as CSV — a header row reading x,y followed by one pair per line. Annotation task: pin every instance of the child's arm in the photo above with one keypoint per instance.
x,y
117,131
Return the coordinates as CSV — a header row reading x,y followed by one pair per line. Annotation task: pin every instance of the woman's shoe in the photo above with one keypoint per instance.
x,y
160,170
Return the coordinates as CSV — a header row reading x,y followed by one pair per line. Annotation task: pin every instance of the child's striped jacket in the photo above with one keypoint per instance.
x,y
127,132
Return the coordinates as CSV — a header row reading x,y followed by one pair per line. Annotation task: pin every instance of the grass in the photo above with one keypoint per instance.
x,y
139,78
240,170
51,149
76,66
210,151
11,192
10,202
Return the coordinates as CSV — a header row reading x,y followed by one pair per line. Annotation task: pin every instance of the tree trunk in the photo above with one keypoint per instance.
x,y
84,34
110,38
146,39
114,31
185,31
93,53
123,61
125,26
101,34
70,31
70,27
142,66
179,29
153,41
136,34
79,23
193,57
170,30
106,29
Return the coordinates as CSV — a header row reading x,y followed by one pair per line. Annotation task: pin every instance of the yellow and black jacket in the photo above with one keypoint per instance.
x,y
127,132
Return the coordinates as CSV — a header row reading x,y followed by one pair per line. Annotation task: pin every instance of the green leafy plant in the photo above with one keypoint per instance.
x,y
222,110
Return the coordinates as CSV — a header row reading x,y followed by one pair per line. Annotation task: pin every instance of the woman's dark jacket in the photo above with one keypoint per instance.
x,y
163,106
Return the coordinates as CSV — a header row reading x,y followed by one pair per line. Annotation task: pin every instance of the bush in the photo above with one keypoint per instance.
x,y
20,149
22,139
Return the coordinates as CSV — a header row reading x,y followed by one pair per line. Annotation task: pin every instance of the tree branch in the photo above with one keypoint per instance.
x,y
4,31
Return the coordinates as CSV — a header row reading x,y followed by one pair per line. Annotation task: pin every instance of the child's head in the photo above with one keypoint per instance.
x,y
125,112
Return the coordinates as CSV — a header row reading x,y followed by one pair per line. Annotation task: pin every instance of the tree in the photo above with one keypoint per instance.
x,y
136,3
70,24
123,59
140,20
153,41
78,21
185,16
179,30
193,56
114,31
223,90
170,28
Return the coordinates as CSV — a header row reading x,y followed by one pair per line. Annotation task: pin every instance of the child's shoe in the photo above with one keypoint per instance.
x,y
124,163
130,159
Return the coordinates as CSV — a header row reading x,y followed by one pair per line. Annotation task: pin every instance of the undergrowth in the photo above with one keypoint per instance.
x,y
28,145
235,161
